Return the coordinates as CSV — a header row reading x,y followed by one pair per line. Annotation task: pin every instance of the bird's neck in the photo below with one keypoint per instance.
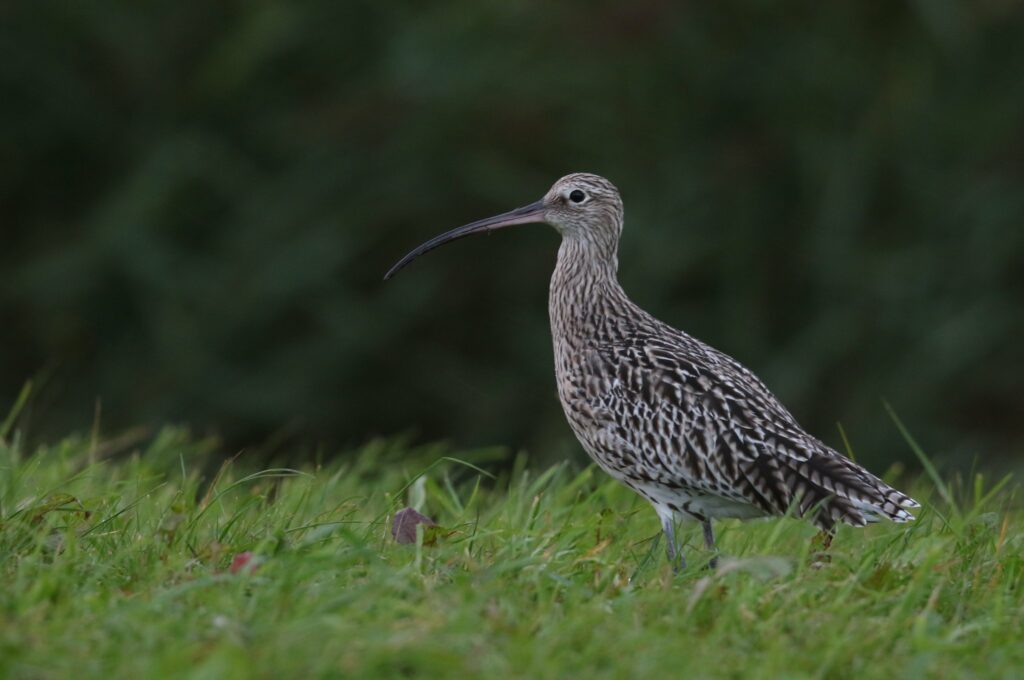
x,y
584,287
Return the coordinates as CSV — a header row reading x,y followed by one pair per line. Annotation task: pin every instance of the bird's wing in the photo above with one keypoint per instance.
x,y
700,416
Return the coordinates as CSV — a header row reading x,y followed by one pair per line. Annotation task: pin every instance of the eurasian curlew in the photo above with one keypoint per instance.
x,y
687,427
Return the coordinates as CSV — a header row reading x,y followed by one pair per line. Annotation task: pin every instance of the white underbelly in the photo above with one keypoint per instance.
x,y
690,502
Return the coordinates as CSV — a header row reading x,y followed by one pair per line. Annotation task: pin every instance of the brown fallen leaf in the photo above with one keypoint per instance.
x,y
403,528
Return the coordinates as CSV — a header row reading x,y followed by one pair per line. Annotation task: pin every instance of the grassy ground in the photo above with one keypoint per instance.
x,y
120,566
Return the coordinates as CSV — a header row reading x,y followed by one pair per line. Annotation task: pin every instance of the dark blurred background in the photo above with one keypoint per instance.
x,y
198,201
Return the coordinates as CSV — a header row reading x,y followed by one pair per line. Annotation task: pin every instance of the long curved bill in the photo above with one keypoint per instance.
x,y
525,215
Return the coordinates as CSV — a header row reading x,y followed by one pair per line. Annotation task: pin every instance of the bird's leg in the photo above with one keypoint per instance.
x,y
709,543
823,540
675,554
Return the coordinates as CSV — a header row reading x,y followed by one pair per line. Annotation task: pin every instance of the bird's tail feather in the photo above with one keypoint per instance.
x,y
834,489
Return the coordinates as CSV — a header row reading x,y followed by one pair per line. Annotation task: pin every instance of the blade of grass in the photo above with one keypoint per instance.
x,y
12,415
926,462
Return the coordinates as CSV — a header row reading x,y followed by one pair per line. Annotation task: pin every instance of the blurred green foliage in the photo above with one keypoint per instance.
x,y
198,201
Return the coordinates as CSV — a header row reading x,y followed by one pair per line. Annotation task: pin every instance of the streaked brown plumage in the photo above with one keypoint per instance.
x,y
684,425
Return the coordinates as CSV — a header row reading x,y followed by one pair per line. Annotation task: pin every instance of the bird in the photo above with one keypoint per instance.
x,y
687,427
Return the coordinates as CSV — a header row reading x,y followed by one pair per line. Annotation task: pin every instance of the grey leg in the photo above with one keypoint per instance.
x,y
675,556
709,542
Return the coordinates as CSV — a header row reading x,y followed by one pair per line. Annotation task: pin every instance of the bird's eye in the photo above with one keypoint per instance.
x,y
577,196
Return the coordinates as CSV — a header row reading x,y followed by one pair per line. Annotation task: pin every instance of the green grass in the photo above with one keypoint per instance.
x,y
118,566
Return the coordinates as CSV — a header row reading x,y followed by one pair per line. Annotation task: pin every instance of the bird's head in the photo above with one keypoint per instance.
x,y
582,207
